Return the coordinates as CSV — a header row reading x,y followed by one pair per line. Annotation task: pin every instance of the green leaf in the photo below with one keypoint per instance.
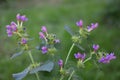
x,y
17,54
21,75
48,66
69,30
80,47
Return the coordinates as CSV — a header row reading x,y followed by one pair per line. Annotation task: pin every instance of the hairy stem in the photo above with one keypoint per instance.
x,y
71,75
33,62
69,53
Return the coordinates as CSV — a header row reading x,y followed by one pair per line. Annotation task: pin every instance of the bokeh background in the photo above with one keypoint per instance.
x,y
55,14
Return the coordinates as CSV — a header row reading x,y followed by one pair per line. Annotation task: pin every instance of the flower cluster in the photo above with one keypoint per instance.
x,y
49,39
107,58
17,29
48,45
80,56
92,27
103,57
83,31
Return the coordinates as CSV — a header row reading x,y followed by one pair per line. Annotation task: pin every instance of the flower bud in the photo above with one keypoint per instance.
x,y
60,63
107,58
41,34
44,29
23,40
79,23
95,47
44,49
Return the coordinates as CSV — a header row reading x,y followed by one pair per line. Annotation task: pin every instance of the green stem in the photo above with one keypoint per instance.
x,y
21,24
62,77
71,75
88,58
37,76
69,53
19,34
18,23
33,62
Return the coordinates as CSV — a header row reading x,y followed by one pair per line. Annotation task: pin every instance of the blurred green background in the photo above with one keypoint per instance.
x,y
55,14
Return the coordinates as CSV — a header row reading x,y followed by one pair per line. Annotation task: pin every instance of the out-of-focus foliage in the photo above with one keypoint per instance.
x,y
111,15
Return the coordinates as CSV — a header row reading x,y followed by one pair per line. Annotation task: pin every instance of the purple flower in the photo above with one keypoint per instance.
x,y
18,17
13,26
60,63
92,27
24,18
23,40
79,56
9,33
57,41
44,29
44,49
8,27
79,23
21,18
9,30
41,34
95,47
107,58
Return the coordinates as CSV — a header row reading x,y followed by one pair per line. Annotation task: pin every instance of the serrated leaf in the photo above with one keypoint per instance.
x,y
21,75
17,54
48,66
69,30
80,47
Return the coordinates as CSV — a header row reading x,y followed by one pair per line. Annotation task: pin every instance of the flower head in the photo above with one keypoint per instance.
x,y
11,28
79,23
44,29
44,49
41,34
23,40
95,47
92,27
107,58
21,17
60,63
79,56
24,18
